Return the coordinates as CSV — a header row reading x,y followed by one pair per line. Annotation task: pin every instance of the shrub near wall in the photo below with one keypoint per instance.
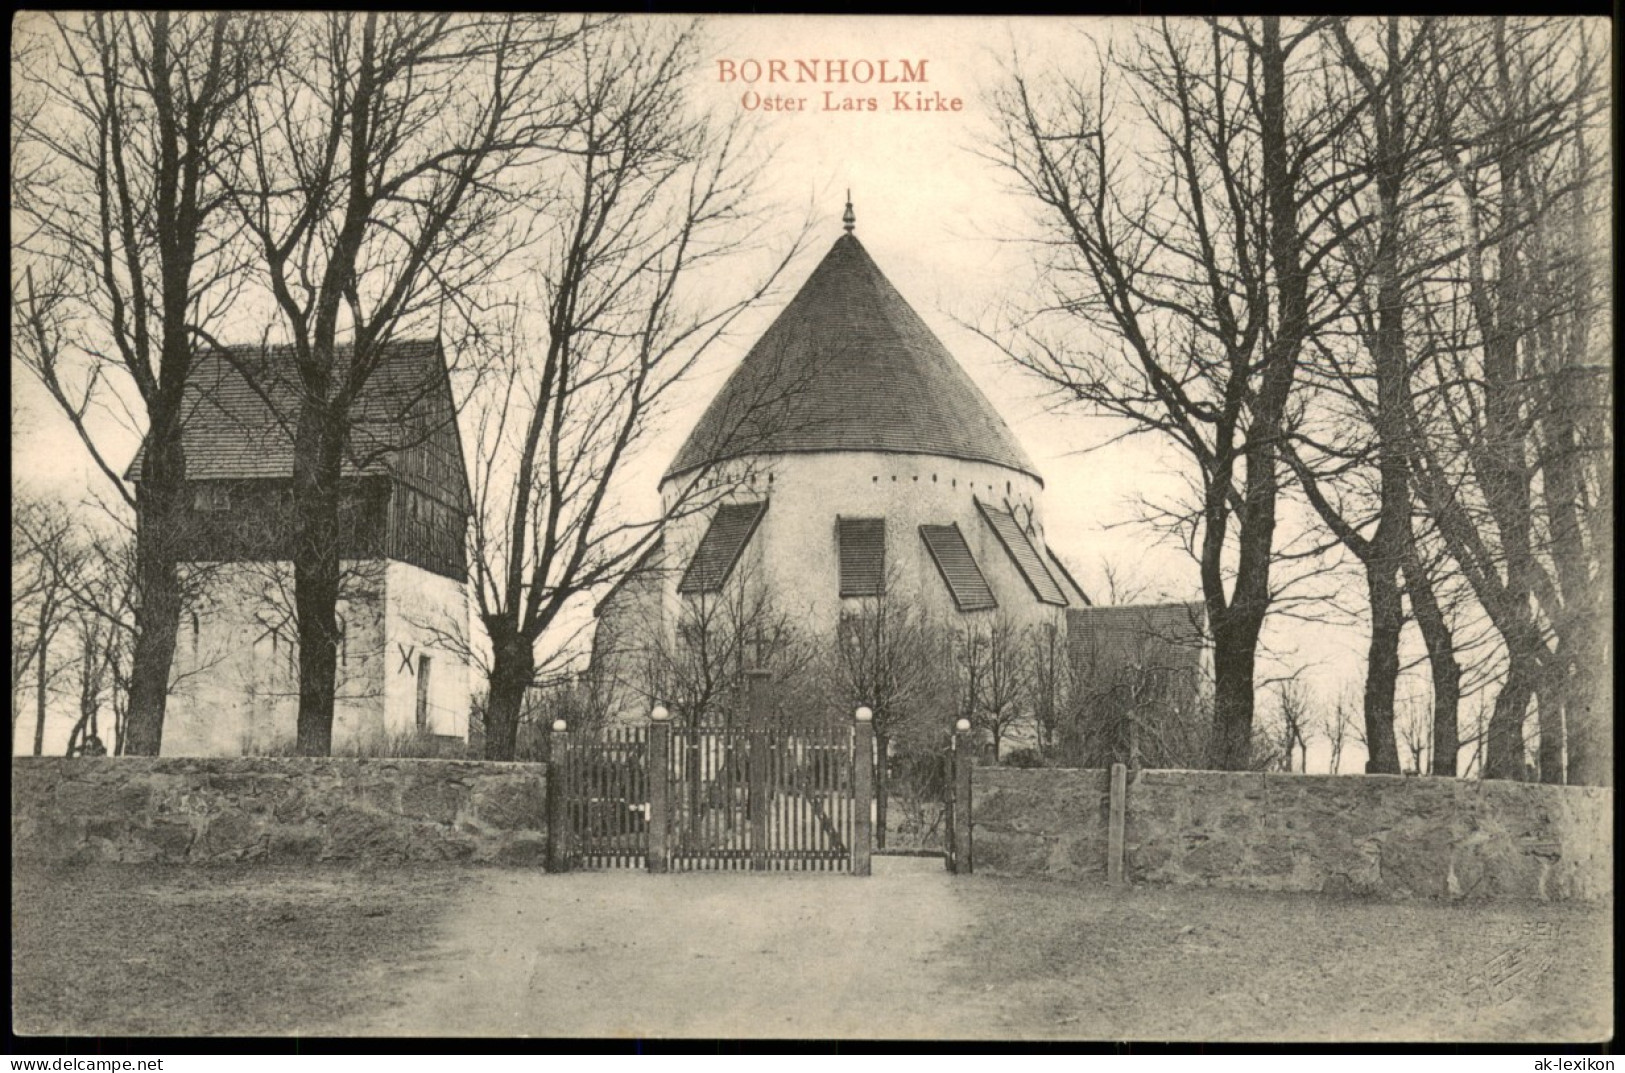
x,y
137,809
1384,835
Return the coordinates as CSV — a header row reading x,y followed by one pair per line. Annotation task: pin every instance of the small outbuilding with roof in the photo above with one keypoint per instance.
x,y
404,508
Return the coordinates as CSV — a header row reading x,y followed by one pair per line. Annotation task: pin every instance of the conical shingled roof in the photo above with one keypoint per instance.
x,y
849,366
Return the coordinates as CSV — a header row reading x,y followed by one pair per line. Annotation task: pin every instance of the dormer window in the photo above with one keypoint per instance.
x,y
862,547
1022,552
730,530
964,578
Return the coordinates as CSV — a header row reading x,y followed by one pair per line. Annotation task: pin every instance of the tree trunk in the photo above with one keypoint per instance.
x,y
120,719
1504,752
882,777
160,512
1446,672
1236,636
1586,594
1385,554
502,720
317,456
1549,709
1442,664
1589,712
158,623
1502,467
41,680
85,726
316,586
513,663
1234,653
1382,666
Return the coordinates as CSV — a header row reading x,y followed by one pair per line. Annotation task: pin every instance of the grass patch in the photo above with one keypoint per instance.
x,y
1160,963
228,950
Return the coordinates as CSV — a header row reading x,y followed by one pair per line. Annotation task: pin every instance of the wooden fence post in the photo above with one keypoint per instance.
x,y
761,793
963,752
558,820
863,790
948,837
1114,824
659,761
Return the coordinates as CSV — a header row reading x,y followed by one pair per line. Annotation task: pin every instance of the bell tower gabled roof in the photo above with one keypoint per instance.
x,y
849,366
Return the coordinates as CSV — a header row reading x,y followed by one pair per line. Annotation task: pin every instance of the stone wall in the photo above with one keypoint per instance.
x,y
1383,835
1039,821
172,810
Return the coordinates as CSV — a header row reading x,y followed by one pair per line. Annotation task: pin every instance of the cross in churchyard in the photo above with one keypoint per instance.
x,y
761,646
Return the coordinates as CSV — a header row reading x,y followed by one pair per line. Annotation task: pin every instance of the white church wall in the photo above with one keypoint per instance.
x,y
628,619
795,546
794,552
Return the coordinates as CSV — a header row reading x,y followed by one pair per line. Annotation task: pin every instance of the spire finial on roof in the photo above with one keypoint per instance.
x,y
848,220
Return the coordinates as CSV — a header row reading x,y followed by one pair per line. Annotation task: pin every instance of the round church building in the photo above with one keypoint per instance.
x,y
848,460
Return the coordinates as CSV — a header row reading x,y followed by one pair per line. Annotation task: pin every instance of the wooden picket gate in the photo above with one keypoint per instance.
x,y
712,798
599,785
763,800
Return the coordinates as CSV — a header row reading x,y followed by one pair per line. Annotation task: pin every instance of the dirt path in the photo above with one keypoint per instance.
x,y
916,953
697,955
425,950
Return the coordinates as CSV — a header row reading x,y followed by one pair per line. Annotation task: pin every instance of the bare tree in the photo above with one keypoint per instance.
x,y
1444,662
377,186
97,659
991,663
884,660
100,572
44,551
123,254
643,195
1474,767
1365,371
1413,728
1294,722
1573,439
97,566
1051,685
1189,254
1338,727
1139,694
1512,462
1122,584
696,666
586,701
